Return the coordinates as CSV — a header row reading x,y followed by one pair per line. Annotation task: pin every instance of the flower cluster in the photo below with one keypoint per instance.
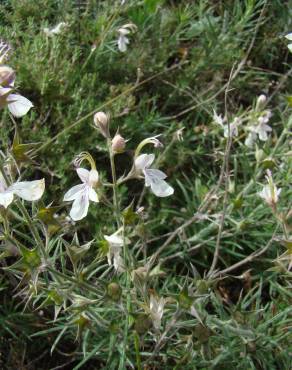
x,y
257,123
82,194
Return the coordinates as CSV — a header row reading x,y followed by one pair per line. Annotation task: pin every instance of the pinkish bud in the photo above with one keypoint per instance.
x,y
118,144
101,121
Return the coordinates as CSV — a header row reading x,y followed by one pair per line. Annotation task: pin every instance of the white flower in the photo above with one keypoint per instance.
x,y
115,244
17,104
123,40
233,127
289,37
250,139
156,310
270,192
55,30
218,119
81,194
261,129
27,190
179,134
153,177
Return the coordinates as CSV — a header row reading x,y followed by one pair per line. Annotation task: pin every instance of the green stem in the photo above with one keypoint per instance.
x,y
114,177
138,357
128,304
33,229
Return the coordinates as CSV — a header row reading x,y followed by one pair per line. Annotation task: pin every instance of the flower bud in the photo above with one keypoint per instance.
x,y
7,76
114,291
261,101
143,323
101,121
118,144
259,154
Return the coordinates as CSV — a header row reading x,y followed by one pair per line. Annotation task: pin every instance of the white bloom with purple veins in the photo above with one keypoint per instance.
x,y
153,177
83,193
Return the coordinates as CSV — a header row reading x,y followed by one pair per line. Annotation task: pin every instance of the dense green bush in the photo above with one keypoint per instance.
x,y
62,306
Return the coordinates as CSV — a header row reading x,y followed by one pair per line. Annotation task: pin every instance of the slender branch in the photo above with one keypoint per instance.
x,y
249,258
115,185
225,169
128,302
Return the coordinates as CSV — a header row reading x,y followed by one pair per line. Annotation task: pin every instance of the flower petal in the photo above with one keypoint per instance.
x,y
263,135
6,198
4,91
92,195
151,175
144,161
161,188
80,206
83,174
93,178
158,186
28,190
122,43
114,240
74,192
118,263
250,139
18,105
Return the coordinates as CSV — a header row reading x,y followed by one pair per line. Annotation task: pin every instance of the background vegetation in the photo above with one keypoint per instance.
x,y
179,64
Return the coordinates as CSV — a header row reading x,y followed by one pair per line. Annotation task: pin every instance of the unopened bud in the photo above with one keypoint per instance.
x,y
101,121
7,76
259,154
261,101
143,323
114,291
118,144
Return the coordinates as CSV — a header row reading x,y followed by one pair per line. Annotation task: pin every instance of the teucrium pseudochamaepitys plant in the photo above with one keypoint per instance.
x,y
144,268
